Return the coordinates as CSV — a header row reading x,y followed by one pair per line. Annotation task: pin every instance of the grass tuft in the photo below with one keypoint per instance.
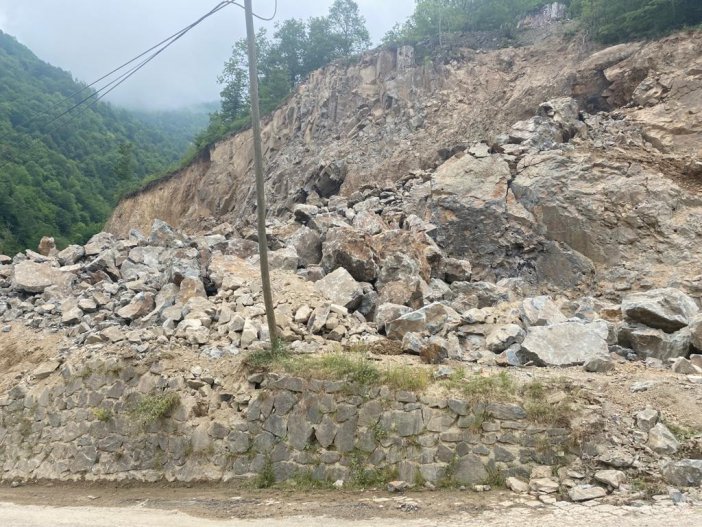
x,y
153,407
102,414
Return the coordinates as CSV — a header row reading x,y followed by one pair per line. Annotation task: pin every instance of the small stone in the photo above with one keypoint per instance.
x,y
339,483
517,485
398,486
613,478
686,367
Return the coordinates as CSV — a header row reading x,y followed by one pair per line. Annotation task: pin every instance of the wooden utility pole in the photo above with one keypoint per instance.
x,y
260,188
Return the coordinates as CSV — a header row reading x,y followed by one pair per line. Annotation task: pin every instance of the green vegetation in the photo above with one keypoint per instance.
x,y
266,478
153,407
540,410
612,21
297,48
498,387
62,179
102,414
353,367
607,21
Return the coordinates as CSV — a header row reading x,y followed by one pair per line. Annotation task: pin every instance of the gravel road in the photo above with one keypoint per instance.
x,y
12,515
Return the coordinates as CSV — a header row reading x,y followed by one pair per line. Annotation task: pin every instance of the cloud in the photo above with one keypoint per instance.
x,y
90,38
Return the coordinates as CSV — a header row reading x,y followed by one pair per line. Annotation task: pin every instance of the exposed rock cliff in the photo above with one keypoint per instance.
x,y
554,199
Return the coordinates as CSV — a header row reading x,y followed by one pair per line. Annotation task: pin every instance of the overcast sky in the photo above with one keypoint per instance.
x,y
91,37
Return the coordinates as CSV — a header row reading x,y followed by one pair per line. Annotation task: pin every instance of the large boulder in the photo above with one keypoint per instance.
x,y
668,309
655,343
563,344
308,245
350,249
540,311
341,288
31,277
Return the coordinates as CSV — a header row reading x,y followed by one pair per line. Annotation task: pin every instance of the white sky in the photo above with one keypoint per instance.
x,y
91,37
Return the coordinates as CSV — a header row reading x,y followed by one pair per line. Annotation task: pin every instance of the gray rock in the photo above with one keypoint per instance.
x,y
31,277
141,305
685,367
308,245
349,249
656,343
388,312
667,309
563,344
45,369
646,419
599,365
504,336
541,311
71,254
285,259
662,440
457,270
414,322
341,288
613,478
516,485
586,493
684,473
470,470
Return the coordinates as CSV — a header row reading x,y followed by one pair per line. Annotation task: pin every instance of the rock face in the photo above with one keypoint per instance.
x,y
546,197
564,344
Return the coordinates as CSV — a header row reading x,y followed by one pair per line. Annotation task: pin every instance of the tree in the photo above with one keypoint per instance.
x,y
349,26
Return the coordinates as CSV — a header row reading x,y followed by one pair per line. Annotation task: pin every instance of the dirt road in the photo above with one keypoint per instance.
x,y
86,505
12,515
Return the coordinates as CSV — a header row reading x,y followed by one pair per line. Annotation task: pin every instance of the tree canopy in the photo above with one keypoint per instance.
x,y
64,178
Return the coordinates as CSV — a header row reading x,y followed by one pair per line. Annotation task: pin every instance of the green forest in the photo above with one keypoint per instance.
x,y
606,21
63,179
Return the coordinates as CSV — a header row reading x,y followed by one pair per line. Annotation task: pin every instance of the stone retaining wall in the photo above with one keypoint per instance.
x,y
79,423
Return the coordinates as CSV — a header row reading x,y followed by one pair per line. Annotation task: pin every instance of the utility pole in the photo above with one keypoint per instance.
x,y
260,188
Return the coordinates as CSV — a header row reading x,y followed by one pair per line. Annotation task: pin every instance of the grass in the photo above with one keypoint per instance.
x,y
498,387
681,433
539,410
353,367
153,407
102,414
304,480
266,478
495,478
362,477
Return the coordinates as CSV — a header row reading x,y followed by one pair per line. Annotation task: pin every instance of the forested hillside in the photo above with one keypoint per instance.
x,y
606,21
63,178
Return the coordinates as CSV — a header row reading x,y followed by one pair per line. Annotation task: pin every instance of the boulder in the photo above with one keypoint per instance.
x,y
599,364
503,337
308,245
141,305
47,246
31,277
647,419
341,288
613,478
655,343
662,440
190,287
414,322
540,311
388,312
563,344
285,259
668,309
350,249
684,473
457,270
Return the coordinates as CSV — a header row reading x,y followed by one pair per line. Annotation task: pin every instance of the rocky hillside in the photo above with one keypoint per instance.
x,y
519,211
605,186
